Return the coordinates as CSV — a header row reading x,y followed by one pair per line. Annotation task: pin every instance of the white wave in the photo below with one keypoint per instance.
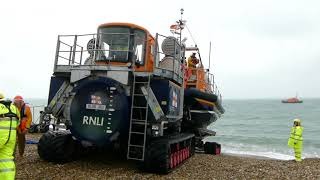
x,y
274,153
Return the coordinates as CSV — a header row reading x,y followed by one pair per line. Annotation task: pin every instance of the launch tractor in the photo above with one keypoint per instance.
x,y
123,88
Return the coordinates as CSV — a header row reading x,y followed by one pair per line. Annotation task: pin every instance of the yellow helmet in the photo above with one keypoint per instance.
x,y
297,120
1,96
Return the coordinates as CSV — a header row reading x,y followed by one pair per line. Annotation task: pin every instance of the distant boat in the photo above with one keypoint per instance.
x,y
292,100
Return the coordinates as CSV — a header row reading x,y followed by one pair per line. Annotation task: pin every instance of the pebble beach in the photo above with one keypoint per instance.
x,y
200,166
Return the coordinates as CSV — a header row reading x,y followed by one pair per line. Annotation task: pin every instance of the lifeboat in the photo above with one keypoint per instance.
x,y
201,95
292,100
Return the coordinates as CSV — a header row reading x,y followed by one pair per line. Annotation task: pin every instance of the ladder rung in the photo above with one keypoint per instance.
x,y
142,120
138,95
141,123
141,82
139,107
140,133
137,122
131,145
135,159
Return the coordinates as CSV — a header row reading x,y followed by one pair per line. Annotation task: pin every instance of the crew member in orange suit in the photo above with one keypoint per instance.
x,y
26,119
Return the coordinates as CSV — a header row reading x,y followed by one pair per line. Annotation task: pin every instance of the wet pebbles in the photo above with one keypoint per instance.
x,y
200,166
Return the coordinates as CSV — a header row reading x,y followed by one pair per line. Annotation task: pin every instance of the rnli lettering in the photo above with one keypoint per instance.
x,y
89,120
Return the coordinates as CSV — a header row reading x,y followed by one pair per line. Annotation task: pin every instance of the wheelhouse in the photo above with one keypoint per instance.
x,y
124,43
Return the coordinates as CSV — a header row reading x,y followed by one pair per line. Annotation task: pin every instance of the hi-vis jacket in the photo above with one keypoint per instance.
x,y
8,125
296,140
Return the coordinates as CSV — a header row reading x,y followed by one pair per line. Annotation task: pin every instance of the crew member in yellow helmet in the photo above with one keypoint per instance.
x,y
296,141
193,61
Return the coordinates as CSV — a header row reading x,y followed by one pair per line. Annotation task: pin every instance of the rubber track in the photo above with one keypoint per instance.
x,y
157,157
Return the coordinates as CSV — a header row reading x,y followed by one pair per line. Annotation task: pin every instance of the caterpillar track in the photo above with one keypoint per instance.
x,y
166,154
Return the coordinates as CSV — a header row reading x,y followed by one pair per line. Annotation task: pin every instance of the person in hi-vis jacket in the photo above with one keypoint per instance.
x,y
296,141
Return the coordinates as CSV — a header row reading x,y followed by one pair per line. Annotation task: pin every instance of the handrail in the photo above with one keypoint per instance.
x,y
34,112
65,43
75,46
176,67
92,34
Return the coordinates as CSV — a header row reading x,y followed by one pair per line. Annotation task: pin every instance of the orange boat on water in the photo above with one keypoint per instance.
x,y
292,100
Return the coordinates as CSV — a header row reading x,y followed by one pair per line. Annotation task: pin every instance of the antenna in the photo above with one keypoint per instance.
x,y
209,55
181,10
181,24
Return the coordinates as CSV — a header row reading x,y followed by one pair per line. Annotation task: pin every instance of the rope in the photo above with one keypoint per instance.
x,y
194,43
191,34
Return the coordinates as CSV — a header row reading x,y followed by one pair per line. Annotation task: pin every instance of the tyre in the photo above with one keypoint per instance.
x,y
57,146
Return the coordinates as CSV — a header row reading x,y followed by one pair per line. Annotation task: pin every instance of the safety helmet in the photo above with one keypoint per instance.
x,y
18,98
297,120
1,96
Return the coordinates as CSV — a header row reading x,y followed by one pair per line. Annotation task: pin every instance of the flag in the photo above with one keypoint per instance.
x,y
174,27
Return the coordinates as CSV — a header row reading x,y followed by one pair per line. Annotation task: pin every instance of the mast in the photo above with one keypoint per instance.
x,y
181,24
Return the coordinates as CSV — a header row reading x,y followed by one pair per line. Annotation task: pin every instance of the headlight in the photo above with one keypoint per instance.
x,y
155,127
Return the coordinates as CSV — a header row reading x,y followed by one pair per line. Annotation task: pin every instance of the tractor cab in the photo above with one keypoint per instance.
x,y
121,44
115,46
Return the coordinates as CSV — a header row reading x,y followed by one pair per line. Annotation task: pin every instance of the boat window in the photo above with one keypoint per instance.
x,y
105,47
139,47
121,44
114,43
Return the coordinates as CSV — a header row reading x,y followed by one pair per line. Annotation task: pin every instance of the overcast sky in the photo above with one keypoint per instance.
x,y
261,49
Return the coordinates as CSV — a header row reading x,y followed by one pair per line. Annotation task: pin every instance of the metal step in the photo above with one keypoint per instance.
x,y
153,102
59,100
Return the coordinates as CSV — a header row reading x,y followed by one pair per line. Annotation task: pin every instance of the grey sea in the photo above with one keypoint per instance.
x,y
258,127
262,128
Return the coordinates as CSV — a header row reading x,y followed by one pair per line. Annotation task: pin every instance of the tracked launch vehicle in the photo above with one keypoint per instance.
x,y
123,88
